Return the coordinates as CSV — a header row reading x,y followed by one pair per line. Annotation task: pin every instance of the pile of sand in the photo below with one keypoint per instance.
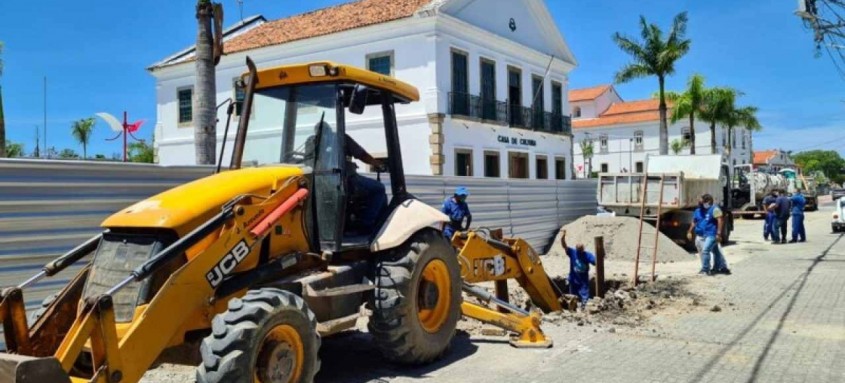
x,y
620,239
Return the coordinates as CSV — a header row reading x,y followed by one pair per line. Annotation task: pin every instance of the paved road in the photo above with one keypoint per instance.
x,y
782,320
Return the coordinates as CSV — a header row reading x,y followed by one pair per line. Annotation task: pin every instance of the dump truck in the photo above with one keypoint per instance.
x,y
260,262
684,177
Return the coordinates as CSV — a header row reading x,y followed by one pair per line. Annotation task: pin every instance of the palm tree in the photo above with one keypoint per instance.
x,y
688,104
655,56
2,118
587,152
81,131
718,102
678,145
741,117
205,102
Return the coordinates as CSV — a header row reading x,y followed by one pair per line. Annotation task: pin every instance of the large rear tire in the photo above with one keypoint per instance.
x,y
268,336
417,301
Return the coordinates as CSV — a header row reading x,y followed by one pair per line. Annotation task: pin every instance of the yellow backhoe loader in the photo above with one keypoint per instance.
x,y
258,261
261,261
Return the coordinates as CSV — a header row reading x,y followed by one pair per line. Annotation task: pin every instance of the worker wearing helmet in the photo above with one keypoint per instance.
x,y
457,209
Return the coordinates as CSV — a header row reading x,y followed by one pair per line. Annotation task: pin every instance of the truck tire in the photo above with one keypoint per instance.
x,y
269,335
417,300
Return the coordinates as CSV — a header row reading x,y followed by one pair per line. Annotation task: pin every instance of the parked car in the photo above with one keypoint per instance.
x,y
837,193
837,225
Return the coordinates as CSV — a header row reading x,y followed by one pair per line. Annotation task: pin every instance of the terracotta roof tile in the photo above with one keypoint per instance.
x,y
587,94
762,157
623,113
325,21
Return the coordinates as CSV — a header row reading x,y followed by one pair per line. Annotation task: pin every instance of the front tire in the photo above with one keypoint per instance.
x,y
268,336
417,301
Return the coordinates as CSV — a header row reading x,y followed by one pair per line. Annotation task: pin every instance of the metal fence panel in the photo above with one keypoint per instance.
x,y
48,207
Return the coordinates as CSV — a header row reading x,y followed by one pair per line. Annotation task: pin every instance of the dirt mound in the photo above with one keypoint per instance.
x,y
620,239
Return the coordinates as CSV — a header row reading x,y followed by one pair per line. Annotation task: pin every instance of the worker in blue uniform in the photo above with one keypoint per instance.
x,y
798,203
579,269
707,227
769,224
456,208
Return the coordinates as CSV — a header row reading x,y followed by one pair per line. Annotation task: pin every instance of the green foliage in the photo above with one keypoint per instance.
x,y
140,151
829,162
99,156
81,131
654,56
14,149
678,145
68,154
587,150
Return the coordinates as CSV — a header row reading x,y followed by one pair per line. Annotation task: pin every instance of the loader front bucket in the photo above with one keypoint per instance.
x,y
27,369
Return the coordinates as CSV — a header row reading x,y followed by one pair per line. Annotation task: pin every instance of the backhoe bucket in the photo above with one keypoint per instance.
x,y
26,369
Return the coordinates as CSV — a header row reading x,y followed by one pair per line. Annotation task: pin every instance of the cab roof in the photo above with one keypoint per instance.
x,y
303,74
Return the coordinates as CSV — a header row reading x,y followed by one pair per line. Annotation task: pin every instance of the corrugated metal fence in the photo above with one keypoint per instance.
x,y
48,207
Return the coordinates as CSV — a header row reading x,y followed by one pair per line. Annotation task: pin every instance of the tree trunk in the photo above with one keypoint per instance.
x,y
2,127
728,148
205,100
713,137
692,133
664,126
84,151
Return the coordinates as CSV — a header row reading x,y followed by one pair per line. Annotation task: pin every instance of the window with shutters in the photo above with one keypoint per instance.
x,y
541,165
557,98
604,167
491,164
185,98
488,89
638,140
460,83
603,147
576,113
463,162
560,168
381,63
515,96
639,166
539,100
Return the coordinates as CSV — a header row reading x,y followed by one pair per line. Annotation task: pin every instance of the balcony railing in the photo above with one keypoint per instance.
x,y
467,105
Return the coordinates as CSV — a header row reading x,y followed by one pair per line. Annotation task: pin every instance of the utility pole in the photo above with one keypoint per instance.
x,y
46,150
37,152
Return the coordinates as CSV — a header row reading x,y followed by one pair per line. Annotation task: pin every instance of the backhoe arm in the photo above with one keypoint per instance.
x,y
483,259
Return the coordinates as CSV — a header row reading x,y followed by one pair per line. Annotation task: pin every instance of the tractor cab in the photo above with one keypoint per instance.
x,y
297,115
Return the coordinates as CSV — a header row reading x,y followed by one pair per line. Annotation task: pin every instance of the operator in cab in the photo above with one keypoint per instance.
x,y
367,196
457,209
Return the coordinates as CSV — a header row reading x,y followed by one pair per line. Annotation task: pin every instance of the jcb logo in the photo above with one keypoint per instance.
x,y
232,259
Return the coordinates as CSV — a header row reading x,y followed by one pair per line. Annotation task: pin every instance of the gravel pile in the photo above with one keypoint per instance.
x,y
620,239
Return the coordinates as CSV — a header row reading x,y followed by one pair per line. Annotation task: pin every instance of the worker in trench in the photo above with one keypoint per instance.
x,y
579,269
457,209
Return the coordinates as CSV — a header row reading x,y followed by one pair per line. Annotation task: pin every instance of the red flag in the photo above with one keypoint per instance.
x,y
133,127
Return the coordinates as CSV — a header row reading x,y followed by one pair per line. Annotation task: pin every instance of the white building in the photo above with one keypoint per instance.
x,y
479,66
622,133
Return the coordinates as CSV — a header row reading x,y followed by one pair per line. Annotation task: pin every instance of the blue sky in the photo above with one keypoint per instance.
x,y
94,54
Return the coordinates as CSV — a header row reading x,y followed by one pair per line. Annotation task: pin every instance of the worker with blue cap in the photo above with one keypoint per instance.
x,y
457,209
